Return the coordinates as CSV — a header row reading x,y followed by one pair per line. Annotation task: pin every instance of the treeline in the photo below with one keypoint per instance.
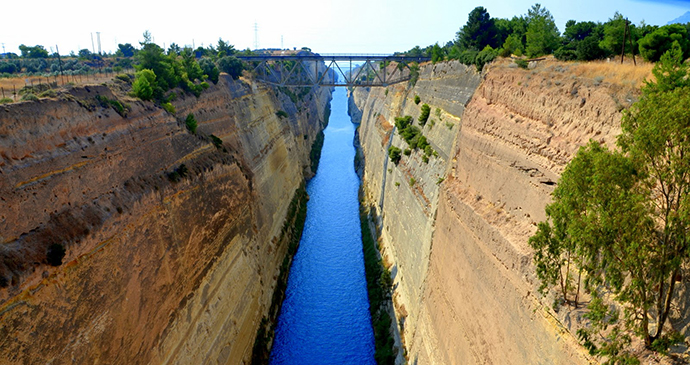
x,y
535,34
37,61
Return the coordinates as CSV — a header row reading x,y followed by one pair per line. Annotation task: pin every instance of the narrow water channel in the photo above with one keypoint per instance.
x,y
325,316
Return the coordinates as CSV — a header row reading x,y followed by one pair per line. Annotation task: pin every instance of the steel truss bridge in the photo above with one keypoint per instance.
x,y
350,70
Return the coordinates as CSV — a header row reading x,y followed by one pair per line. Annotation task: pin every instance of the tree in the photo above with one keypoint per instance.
x,y
394,153
33,52
85,54
588,49
613,37
143,84
125,50
174,50
655,44
542,33
512,45
210,69
225,49
479,31
625,217
231,65
436,53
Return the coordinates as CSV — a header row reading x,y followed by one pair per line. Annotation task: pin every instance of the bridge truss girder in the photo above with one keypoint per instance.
x,y
309,71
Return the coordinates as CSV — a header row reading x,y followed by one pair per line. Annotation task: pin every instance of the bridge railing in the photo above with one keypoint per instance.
x,y
309,69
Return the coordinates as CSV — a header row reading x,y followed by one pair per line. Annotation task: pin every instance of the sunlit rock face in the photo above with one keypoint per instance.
x,y
455,229
159,267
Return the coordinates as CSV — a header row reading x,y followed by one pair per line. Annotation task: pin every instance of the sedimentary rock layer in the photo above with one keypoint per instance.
x,y
156,271
455,230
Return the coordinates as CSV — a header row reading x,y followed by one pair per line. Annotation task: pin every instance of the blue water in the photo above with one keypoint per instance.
x,y
325,315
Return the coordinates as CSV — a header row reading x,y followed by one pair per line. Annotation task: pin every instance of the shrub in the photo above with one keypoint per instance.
x,y
123,77
231,65
169,108
50,93
417,99
487,55
216,141
412,181
428,150
394,154
29,97
424,116
403,122
425,158
144,84
55,254
281,114
210,69
564,54
522,63
5,100
407,152
191,123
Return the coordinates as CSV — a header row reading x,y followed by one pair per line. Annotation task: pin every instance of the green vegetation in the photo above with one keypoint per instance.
x,y
190,123
290,235
232,66
169,108
379,289
217,142
5,100
535,34
394,154
619,220
281,114
55,254
315,153
417,99
412,181
120,108
424,116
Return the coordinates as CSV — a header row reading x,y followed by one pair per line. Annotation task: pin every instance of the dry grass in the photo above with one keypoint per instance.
x,y
614,72
9,85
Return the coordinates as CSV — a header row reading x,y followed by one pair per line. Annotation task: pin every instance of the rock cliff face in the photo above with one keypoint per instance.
x,y
156,271
456,229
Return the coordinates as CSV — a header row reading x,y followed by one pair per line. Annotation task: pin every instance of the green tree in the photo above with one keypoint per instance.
x,y
655,44
394,153
625,217
152,57
436,53
210,69
143,84
85,54
125,50
512,45
542,33
231,65
613,32
225,48
33,52
479,31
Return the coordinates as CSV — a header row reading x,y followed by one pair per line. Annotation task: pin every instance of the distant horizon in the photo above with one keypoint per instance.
x,y
359,26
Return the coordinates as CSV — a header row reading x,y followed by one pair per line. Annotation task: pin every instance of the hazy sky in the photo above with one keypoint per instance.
x,y
327,26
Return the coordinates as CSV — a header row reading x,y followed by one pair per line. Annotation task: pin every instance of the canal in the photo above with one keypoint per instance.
x,y
325,315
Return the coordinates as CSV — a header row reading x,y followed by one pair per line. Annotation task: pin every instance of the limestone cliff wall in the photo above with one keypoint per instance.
x,y
155,271
465,289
